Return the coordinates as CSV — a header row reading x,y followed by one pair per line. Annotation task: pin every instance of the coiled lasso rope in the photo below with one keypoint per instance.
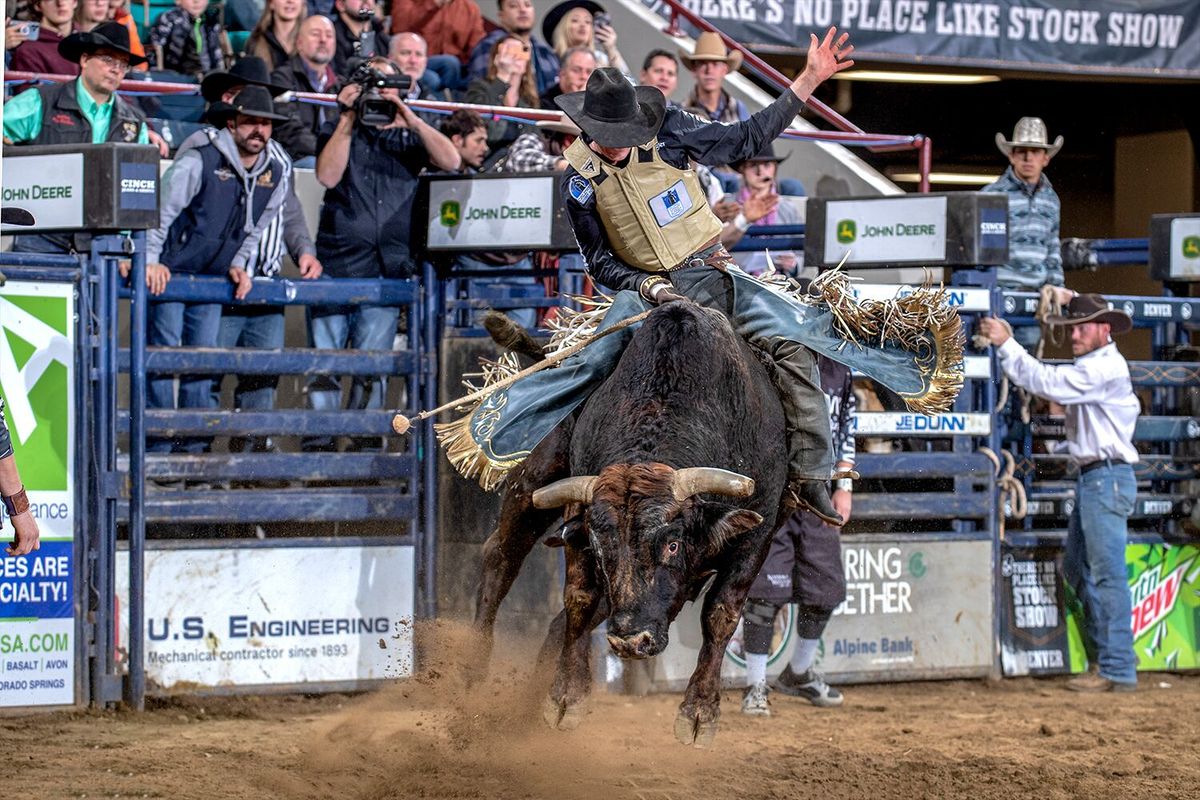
x,y
1012,491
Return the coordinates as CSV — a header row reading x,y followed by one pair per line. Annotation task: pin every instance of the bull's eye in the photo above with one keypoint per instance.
x,y
672,548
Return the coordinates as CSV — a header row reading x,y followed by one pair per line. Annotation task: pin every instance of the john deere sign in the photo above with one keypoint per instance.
x,y
1175,247
493,214
37,593
895,230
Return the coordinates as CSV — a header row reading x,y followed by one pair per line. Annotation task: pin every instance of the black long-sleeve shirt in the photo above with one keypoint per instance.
x,y
683,137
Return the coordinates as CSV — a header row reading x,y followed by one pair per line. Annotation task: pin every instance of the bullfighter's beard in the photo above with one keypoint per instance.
x,y
913,345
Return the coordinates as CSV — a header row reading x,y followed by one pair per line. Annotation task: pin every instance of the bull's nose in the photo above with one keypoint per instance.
x,y
639,645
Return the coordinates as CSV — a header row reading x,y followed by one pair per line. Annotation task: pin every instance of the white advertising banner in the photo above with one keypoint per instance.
x,y
285,615
912,609
480,213
896,423
890,230
1185,248
956,297
37,591
50,187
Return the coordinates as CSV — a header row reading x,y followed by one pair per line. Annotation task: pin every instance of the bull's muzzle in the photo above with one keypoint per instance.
x,y
639,645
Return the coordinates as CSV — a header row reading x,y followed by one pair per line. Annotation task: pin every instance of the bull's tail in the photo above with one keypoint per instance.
x,y
511,336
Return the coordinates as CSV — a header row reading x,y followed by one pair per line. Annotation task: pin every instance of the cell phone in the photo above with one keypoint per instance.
x,y
30,29
602,20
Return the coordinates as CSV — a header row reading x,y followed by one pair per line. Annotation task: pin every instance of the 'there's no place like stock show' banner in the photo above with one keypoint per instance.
x,y
1145,38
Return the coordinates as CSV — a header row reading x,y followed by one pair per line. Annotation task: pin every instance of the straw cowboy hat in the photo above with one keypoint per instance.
x,y
1029,132
614,112
711,47
1092,308
105,36
564,126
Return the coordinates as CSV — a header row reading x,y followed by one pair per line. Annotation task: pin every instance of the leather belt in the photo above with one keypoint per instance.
x,y
1104,462
712,254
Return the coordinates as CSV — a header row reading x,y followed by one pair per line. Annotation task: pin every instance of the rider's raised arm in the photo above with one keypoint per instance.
x,y
607,270
714,143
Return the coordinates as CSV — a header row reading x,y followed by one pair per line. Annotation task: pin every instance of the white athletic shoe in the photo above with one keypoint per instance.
x,y
755,702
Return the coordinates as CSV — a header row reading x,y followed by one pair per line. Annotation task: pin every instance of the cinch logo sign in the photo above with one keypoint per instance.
x,y
847,231
1191,247
451,213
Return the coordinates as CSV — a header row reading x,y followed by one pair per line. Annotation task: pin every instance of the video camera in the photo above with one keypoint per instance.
x,y
373,109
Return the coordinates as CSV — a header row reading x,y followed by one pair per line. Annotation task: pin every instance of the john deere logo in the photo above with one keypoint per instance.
x,y
1191,247
451,213
847,231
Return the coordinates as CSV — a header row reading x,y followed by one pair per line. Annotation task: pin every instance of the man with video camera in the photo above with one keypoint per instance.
x,y
369,162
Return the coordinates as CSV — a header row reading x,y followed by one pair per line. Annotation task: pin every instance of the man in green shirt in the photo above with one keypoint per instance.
x,y
84,111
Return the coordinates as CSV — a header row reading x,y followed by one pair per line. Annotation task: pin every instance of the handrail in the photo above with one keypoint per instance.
x,y
918,142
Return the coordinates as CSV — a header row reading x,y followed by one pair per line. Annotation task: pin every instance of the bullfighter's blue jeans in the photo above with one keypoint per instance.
x,y
1094,566
187,325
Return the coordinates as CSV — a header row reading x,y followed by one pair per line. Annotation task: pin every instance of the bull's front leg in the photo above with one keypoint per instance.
x,y
582,595
696,723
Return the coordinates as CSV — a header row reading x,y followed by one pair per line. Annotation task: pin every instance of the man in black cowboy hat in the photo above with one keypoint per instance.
x,y
215,201
643,224
86,110
1101,411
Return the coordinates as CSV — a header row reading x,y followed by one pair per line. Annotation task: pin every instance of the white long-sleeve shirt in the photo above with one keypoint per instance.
x,y
1100,404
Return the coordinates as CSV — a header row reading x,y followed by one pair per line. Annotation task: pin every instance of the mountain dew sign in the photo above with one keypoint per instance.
x,y
1044,620
37,597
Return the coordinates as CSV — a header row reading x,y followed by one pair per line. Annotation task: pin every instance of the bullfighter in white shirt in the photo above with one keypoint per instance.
x,y
1101,411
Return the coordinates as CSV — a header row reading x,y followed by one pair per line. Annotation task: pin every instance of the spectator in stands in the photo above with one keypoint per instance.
x,y
274,36
188,40
509,82
56,18
541,150
222,86
661,69
710,63
309,70
86,110
323,7
1102,411
408,51
451,29
216,200
359,32
90,13
577,66
516,20
803,566
761,204
1034,252
467,131
26,536
583,23
371,179
119,12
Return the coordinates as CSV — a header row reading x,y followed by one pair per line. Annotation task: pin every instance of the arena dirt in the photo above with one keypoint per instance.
x,y
430,737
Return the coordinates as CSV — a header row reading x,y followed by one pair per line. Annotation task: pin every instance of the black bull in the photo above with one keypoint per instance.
x,y
655,509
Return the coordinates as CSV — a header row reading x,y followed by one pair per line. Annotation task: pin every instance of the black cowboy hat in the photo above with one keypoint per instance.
x,y
767,154
555,15
1092,308
253,101
105,36
12,215
613,112
246,71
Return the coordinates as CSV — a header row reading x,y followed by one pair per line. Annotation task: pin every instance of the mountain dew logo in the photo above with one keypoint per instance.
x,y
1191,247
451,213
847,231
1154,596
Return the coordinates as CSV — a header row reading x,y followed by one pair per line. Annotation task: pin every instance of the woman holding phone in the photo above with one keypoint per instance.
x,y
583,23
509,82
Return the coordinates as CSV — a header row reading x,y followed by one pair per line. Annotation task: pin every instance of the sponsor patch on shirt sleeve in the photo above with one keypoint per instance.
x,y
580,188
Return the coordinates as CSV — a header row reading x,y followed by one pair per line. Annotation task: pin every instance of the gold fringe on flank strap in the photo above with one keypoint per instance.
x,y
923,323
467,457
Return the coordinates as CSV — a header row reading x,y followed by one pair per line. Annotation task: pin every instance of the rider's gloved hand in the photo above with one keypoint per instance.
x,y
659,290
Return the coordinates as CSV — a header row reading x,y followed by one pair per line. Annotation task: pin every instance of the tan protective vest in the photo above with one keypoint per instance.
x,y
656,215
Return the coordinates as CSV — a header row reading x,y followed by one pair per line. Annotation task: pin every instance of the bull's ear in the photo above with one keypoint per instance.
x,y
725,523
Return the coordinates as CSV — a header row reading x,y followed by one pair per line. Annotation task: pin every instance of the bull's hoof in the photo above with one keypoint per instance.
x,y
561,716
693,732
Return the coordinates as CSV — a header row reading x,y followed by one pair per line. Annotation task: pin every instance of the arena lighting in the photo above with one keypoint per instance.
x,y
957,178
884,76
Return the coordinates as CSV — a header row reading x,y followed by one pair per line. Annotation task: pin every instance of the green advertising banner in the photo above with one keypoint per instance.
x,y
37,592
1042,632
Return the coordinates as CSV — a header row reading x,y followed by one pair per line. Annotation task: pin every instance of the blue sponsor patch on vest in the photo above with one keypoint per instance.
x,y
580,188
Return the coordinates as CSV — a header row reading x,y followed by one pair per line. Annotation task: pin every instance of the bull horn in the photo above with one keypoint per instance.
x,y
702,480
569,490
